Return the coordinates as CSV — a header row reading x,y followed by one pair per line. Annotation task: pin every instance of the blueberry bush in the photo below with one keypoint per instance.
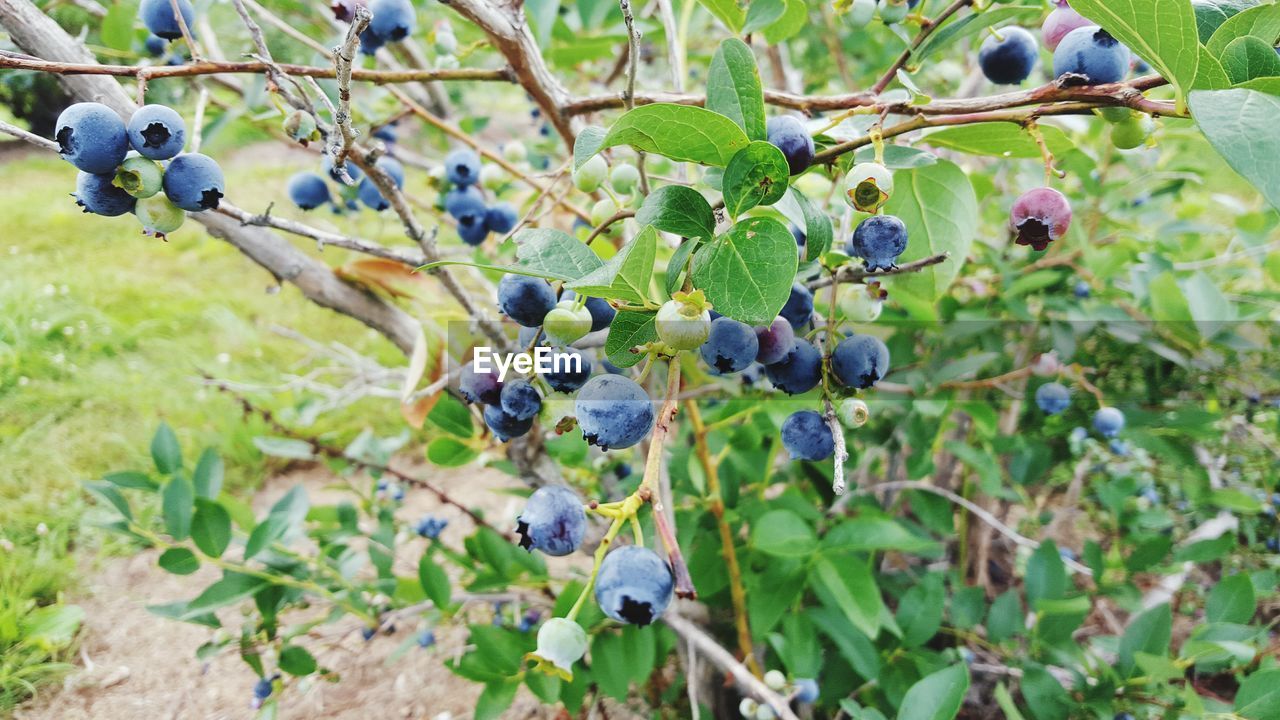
x,y
801,268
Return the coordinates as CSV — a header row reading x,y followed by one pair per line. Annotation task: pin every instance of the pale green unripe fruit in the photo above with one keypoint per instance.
x,y
862,12
561,643
747,708
301,126
868,186
602,211
682,326
624,178
492,176
775,680
139,177
1115,114
447,62
591,175
862,305
515,151
446,42
566,323
1131,133
158,215
853,413
893,11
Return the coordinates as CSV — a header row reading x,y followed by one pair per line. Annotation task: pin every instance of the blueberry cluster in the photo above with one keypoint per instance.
x,y
309,190
393,21
890,12
124,167
430,526
465,201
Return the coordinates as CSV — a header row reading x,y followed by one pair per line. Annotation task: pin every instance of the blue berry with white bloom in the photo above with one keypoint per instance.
x,y
1093,54
430,526
879,240
157,132
1053,398
194,182
731,346
501,218
553,521
634,585
308,190
860,361
99,195
92,137
1108,421
806,436
613,411
1008,55
799,371
462,167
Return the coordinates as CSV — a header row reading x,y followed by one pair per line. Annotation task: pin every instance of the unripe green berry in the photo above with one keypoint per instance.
x,y
300,126
561,643
893,11
624,178
566,323
868,186
159,216
1131,133
861,12
775,680
863,305
602,211
747,708
139,177
683,325
446,42
853,413
1115,114
591,175
515,151
492,176
447,62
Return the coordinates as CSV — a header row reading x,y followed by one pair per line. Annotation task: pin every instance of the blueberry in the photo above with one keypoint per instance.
x,y
386,133
92,137
262,689
98,194
462,167
799,372
426,639
501,218
463,200
1078,434
799,235
158,216
1108,421
160,19
789,135
860,361
504,426
1039,217
155,45
570,370
326,164
369,193
806,690
1009,57
624,178
393,20
1061,21
520,400
602,312
1121,448
806,436
370,43
634,585
1273,544
683,325
730,347
799,307
478,387
613,412
430,526
472,229
879,240
553,521
368,632
775,341
308,190
1081,289
1092,53
194,182
526,300
157,132
1053,398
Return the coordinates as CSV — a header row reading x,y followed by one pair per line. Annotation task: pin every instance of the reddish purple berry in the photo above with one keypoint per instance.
x,y
1039,217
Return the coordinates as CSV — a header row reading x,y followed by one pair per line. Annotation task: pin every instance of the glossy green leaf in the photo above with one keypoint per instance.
x,y
757,175
1262,22
434,581
165,451
449,452
679,132
1147,632
793,20
1211,14
208,474
851,588
297,660
1247,58
587,144
450,415
728,12
747,272
179,561
230,589
969,25
178,502
117,25
998,139
783,533
937,696
679,210
211,527
627,275
629,329
554,254
1232,600
762,14
733,85
1259,696
1240,125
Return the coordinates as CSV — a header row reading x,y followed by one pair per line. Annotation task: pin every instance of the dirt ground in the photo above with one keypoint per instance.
x,y
135,665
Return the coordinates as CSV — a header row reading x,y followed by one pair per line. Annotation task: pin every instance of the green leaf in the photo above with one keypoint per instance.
x,y
1231,600
1149,632
131,480
757,175
920,612
208,474
587,144
165,451
874,534
108,492
449,452
288,512
1240,125
297,660
1163,33
1262,22
451,416
1045,696
678,263
629,329
610,665
747,272
1005,618
435,583
728,12
179,561
178,502
1210,75
211,528
998,139
232,588
733,84
851,589
793,20
762,14
627,275
940,210
897,157
1211,14
679,210
283,447
1046,574
554,254
1259,696
1247,58
937,696
782,533
818,232
679,132
496,698
117,25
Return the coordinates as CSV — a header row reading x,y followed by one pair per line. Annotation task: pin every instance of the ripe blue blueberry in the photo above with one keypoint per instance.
x,y
1108,421
524,299
568,375
386,133
426,639
806,690
1009,57
613,412
157,132
1081,289
97,194
393,20
775,341
369,193
370,43
308,190
478,387
553,521
501,218
799,372
505,426
92,137
879,240
806,436
789,135
634,585
520,400
262,689
464,200
326,165
1121,448
472,228
430,526
1273,544
730,347
1092,53
194,182
799,307
155,45
160,19
462,167
1053,398
860,361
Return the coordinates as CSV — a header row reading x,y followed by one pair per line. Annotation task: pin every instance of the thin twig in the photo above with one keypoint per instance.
x,y
32,138
343,57
841,454
723,659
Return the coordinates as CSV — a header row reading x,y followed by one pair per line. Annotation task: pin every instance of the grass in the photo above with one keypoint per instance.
x,y
102,333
